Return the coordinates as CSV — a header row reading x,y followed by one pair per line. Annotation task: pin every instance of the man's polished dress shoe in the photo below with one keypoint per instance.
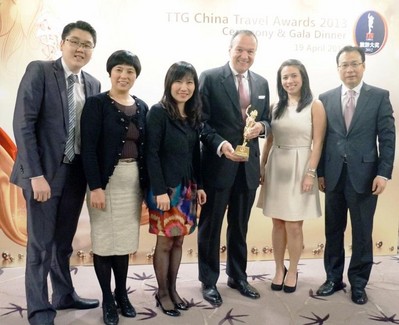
x,y
73,301
244,287
359,296
329,287
110,314
211,295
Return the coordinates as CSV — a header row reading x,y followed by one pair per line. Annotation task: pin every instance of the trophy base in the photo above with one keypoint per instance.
x,y
242,151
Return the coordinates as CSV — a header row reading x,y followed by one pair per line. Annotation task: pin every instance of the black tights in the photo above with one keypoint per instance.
x,y
167,258
119,265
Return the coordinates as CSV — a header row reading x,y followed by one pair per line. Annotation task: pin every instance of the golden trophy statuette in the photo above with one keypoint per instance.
x,y
242,150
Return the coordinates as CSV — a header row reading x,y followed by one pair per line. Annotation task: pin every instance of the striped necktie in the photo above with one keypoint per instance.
x,y
69,148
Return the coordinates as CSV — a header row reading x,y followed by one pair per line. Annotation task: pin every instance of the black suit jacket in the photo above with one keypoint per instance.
x,y
369,144
41,120
167,151
222,113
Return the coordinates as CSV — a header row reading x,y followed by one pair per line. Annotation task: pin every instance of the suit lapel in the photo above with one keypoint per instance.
x,y
61,83
361,105
229,85
337,111
87,85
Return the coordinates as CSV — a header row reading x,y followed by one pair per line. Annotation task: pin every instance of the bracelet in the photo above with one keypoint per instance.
x,y
312,170
311,175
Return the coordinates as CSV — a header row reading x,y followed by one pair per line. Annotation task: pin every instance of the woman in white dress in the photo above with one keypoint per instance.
x,y
288,168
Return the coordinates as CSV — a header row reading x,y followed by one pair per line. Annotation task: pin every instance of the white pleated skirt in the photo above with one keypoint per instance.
x,y
115,229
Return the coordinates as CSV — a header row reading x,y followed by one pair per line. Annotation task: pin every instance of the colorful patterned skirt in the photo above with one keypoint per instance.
x,y
181,219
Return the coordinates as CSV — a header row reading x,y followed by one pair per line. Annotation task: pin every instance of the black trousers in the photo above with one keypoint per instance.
x,y
239,200
361,207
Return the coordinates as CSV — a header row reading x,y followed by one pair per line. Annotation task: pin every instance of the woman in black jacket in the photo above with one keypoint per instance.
x,y
113,134
173,160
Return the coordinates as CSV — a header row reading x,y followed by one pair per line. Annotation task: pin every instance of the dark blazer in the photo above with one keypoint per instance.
x,y
167,151
104,128
372,121
40,122
221,111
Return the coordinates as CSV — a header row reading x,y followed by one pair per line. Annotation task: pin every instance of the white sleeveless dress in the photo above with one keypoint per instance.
x,y
281,195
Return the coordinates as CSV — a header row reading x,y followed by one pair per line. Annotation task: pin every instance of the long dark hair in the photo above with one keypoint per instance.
x,y
193,106
306,93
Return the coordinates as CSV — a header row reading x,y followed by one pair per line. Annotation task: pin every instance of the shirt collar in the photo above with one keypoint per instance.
x,y
68,72
235,73
344,89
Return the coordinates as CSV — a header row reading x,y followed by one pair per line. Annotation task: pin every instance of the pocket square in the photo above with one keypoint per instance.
x,y
261,97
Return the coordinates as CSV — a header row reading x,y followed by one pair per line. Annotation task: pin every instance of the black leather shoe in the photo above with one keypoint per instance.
x,y
75,302
211,295
110,314
126,307
244,287
359,296
329,287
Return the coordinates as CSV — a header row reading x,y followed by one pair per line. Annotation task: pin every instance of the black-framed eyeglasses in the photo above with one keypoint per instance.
x,y
76,44
353,65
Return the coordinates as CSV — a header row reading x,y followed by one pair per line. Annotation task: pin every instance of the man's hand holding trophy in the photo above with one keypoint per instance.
x,y
242,150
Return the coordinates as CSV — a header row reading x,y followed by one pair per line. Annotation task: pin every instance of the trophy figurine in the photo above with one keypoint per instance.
x,y
242,150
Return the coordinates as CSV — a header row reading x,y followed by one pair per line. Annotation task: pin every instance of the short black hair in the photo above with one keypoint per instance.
x,y
124,57
350,48
80,24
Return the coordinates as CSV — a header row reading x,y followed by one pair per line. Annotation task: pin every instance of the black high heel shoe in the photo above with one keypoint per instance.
x,y
181,306
169,312
279,287
289,289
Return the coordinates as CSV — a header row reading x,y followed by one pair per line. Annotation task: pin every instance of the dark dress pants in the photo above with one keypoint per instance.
x,y
51,228
239,200
361,208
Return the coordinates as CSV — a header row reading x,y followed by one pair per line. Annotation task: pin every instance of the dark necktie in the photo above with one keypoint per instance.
x,y
243,95
349,108
69,148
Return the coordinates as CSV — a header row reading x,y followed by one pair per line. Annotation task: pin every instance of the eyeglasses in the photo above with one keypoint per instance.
x,y
353,65
76,44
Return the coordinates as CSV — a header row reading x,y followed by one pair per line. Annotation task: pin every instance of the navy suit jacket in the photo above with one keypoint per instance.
x,y
222,113
369,144
41,120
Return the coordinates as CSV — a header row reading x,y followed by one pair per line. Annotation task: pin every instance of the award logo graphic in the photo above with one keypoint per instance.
x,y
371,32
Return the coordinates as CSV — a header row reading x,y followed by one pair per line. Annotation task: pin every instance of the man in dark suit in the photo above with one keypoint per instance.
x,y
46,118
228,179
356,163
